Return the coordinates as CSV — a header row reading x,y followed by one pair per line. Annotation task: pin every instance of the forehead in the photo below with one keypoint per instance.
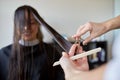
x,y
29,15
24,17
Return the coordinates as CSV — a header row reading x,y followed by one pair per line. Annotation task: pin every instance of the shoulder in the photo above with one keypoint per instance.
x,y
5,51
4,59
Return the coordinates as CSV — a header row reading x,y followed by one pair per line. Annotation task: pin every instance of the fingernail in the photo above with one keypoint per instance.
x,y
63,53
84,43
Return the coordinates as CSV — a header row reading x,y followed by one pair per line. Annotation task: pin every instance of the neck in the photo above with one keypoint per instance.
x,y
29,43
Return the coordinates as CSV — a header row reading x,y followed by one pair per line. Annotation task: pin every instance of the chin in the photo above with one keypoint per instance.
x,y
28,39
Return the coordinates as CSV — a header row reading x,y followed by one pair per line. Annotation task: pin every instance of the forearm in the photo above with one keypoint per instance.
x,y
96,74
113,23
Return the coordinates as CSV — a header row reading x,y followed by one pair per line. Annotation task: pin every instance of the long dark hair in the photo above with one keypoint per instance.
x,y
16,70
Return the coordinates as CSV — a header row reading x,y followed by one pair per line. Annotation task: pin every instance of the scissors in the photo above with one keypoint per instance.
x,y
79,42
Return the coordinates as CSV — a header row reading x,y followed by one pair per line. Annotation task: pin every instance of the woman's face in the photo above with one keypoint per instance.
x,y
30,33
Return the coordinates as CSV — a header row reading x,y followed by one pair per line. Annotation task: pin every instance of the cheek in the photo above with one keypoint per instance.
x,y
18,33
35,30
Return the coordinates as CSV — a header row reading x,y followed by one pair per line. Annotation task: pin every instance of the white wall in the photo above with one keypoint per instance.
x,y
117,8
64,15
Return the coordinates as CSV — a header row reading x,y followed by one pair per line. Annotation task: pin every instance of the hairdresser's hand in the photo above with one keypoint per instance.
x,y
95,29
82,63
72,68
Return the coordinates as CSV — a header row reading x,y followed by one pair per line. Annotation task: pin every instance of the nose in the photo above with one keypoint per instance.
x,y
26,28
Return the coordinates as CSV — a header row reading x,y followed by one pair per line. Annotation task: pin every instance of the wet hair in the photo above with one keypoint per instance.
x,y
16,68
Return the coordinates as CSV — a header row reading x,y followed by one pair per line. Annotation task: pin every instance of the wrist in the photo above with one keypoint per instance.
x,y
107,26
112,23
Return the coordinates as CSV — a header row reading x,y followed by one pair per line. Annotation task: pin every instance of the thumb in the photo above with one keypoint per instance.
x,y
66,63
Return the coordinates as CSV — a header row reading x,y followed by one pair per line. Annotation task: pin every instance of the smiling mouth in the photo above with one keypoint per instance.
x,y
27,33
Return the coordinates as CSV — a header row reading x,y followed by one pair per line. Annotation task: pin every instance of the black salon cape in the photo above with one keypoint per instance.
x,y
43,62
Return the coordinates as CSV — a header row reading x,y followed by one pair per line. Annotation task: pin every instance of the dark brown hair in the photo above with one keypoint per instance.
x,y
16,70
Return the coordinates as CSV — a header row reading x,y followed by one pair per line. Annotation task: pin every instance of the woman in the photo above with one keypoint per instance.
x,y
28,58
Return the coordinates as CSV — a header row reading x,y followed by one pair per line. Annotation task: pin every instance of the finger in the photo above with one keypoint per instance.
x,y
79,30
73,49
83,64
82,31
82,60
66,63
64,54
88,39
80,49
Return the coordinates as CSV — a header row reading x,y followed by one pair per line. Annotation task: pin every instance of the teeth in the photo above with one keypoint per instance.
x,y
27,33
